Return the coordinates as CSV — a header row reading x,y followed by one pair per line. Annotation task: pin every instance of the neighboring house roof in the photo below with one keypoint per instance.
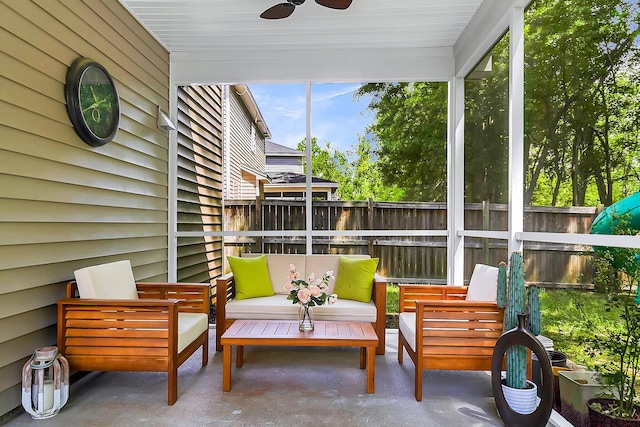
x,y
286,177
273,149
296,178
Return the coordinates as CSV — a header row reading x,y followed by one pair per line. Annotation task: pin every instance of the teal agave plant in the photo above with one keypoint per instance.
x,y
516,298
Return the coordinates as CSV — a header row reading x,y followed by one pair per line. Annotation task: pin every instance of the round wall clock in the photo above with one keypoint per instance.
x,y
92,102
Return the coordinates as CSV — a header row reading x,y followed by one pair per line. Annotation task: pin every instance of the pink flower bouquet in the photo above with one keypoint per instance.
x,y
309,292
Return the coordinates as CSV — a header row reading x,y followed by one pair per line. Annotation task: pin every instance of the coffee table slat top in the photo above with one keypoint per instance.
x,y
325,333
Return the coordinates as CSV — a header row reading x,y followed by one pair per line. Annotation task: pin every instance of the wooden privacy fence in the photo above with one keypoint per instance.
x,y
415,259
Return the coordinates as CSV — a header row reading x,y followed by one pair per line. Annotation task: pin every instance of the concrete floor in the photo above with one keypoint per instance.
x,y
282,387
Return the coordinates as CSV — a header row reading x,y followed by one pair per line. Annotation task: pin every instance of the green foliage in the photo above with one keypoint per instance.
x,y
620,344
581,124
569,317
605,278
581,114
355,171
486,131
619,341
602,329
393,297
411,127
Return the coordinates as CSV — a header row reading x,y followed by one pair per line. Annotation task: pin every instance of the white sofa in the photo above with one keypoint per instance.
x,y
278,307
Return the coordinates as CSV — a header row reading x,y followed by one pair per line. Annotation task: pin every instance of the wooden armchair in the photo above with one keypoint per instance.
x,y
120,325
440,329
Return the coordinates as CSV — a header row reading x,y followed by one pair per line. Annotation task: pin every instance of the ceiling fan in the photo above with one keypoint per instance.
x,y
283,10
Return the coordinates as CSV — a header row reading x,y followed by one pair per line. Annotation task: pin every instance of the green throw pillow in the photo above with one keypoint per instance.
x,y
354,280
251,277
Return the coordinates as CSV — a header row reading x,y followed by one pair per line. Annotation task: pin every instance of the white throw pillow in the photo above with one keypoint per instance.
x,y
483,285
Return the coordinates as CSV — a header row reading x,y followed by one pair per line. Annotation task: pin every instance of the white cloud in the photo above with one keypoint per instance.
x,y
336,117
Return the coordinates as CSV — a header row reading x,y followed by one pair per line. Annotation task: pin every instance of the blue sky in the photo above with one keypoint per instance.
x,y
335,116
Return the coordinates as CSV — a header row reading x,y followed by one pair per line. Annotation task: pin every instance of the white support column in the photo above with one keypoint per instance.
x,y
172,220
516,128
309,192
455,182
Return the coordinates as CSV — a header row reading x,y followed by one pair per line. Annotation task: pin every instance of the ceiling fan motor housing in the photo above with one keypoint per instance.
x,y
296,2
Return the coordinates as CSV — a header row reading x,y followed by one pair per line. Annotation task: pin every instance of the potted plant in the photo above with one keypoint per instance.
x,y
618,345
520,393
516,397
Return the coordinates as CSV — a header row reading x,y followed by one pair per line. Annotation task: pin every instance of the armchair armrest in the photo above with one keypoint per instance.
x,y
379,298
225,290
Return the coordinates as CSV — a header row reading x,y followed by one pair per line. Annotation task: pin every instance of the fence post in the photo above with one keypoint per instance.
x,y
370,214
258,222
486,224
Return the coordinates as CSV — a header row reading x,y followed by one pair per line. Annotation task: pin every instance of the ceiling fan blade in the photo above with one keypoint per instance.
x,y
335,4
278,11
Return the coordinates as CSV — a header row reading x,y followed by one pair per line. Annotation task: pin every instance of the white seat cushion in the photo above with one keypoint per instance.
x,y
107,281
278,307
190,326
483,285
407,325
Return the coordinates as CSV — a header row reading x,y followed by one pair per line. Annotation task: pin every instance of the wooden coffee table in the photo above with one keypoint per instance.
x,y
286,333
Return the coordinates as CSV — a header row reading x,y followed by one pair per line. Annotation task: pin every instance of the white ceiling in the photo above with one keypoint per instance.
x,y
226,41
204,25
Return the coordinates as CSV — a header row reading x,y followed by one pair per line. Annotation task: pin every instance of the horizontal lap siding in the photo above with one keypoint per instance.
x,y
199,182
65,204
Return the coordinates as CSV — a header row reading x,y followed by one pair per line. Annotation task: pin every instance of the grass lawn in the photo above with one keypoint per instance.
x,y
570,318
393,293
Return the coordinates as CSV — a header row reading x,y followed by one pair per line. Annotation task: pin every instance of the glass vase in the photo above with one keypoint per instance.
x,y
305,318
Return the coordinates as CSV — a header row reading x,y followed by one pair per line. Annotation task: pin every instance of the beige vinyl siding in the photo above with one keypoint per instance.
x,y
199,182
277,164
242,154
63,203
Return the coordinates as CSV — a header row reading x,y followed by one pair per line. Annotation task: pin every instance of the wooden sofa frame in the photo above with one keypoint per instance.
x,y
455,334
225,291
132,335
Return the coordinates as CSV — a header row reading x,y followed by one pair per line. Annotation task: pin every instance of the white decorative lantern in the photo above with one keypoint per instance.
x,y
45,383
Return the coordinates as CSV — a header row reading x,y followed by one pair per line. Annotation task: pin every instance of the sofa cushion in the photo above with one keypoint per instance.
x,y
354,279
483,285
113,280
279,270
278,307
190,326
251,277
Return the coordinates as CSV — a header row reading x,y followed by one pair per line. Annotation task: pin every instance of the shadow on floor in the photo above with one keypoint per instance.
x,y
281,387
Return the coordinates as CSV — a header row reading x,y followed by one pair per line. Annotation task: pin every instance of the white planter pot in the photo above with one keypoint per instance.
x,y
523,401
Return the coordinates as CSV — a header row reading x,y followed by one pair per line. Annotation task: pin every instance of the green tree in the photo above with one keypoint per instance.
x,y
365,176
486,134
327,162
581,113
576,54
355,171
411,127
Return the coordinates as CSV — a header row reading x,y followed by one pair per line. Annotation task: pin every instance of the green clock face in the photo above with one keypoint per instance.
x,y
92,102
